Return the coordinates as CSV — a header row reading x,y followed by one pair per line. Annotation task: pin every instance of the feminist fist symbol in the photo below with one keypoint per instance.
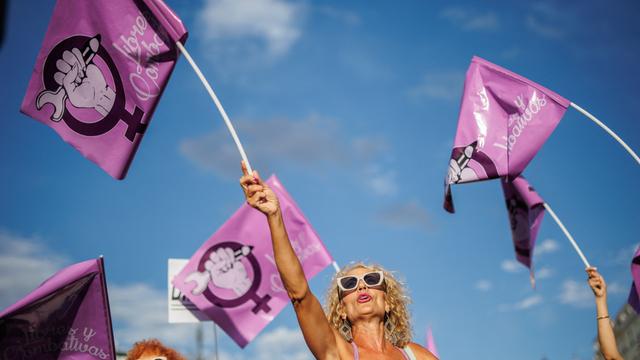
x,y
80,81
83,82
225,271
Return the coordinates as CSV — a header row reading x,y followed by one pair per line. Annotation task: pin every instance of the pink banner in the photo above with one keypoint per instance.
x,y
67,317
634,295
232,277
99,75
431,343
504,120
526,210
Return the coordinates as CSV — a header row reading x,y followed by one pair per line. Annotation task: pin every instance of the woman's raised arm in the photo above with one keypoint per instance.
x,y
606,338
318,334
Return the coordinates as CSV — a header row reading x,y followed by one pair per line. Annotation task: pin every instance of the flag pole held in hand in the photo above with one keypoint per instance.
x,y
567,234
218,104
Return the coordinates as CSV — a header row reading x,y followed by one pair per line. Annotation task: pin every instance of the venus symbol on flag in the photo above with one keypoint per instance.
x,y
100,73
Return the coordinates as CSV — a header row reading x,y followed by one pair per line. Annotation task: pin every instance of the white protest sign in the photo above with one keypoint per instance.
x,y
181,310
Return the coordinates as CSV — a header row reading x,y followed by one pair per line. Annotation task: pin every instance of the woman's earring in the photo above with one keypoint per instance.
x,y
345,330
389,328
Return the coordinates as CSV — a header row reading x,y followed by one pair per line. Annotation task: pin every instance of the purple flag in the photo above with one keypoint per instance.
x,y
233,278
100,72
66,317
431,344
504,120
526,210
634,295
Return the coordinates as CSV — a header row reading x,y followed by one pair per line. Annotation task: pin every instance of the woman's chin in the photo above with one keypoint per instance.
x,y
367,311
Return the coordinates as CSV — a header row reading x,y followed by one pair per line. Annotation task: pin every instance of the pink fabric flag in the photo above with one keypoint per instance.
x,y
526,210
232,277
67,317
431,344
634,295
504,120
99,75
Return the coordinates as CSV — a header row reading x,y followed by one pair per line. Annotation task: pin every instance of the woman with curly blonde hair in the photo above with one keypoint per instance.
x,y
367,314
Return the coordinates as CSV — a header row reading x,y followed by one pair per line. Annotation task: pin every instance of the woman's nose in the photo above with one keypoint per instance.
x,y
361,284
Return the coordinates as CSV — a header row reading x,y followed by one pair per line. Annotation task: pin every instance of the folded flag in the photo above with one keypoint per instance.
x,y
634,295
526,210
67,317
431,344
504,120
99,75
232,278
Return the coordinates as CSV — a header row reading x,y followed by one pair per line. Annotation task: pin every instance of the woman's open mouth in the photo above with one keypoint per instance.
x,y
363,298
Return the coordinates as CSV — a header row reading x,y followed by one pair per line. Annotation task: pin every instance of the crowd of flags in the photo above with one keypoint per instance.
x,y
97,83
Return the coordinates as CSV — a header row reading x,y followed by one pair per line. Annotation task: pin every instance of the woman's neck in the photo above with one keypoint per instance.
x,y
369,334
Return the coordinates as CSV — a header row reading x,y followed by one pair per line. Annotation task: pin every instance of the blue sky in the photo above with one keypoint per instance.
x,y
354,105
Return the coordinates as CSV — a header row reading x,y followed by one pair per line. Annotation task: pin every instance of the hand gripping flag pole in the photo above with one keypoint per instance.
x,y
218,104
609,131
567,234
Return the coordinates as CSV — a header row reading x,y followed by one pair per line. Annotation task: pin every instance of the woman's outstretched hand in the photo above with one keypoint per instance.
x,y
596,282
257,193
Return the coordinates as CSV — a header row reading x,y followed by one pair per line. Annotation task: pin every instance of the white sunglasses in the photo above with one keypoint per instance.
x,y
350,282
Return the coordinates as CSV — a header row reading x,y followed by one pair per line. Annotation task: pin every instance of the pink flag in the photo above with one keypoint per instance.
x,y
100,73
526,210
504,120
232,277
634,296
67,317
431,344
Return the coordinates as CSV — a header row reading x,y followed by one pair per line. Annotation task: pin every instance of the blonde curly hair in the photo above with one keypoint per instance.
x,y
396,319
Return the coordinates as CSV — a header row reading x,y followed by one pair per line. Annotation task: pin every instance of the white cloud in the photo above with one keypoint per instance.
x,y
546,21
511,266
616,288
468,19
625,255
347,17
405,215
446,85
257,28
28,262
543,273
313,143
483,285
282,343
547,246
576,294
528,302
543,29
523,304
140,312
310,142
381,181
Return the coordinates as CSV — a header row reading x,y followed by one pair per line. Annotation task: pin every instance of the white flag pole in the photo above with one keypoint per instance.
x,y
218,104
566,233
609,131
224,114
